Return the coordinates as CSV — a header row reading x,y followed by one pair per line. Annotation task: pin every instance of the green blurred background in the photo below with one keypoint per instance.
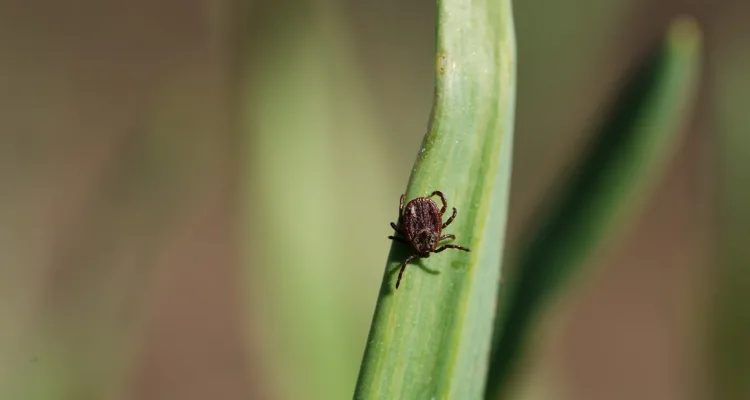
x,y
195,196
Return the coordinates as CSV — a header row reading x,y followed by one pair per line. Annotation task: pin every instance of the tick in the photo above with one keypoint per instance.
x,y
421,224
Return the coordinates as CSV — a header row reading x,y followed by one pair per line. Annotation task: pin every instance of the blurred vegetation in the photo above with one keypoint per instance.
x,y
606,191
730,314
312,143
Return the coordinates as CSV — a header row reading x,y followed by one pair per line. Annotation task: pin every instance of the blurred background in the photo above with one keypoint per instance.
x,y
195,195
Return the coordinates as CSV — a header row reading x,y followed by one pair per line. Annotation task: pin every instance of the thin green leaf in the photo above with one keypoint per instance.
x,y
430,338
628,157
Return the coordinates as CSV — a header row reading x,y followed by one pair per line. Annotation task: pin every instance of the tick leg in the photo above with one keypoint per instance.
x,y
403,267
401,204
442,198
398,239
447,237
448,222
396,228
451,246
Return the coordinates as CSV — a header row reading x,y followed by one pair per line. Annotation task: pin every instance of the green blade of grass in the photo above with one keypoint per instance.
x,y
430,338
630,153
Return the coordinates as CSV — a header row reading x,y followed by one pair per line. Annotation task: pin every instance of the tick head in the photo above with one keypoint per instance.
x,y
425,241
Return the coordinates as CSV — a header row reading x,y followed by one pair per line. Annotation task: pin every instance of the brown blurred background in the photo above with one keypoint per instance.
x,y
182,187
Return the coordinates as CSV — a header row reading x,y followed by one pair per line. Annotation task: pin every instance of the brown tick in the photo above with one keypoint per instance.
x,y
422,223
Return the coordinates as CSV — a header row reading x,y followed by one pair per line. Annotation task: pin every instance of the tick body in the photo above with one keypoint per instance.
x,y
421,224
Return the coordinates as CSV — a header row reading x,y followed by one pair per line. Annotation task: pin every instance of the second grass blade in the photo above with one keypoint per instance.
x,y
631,151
